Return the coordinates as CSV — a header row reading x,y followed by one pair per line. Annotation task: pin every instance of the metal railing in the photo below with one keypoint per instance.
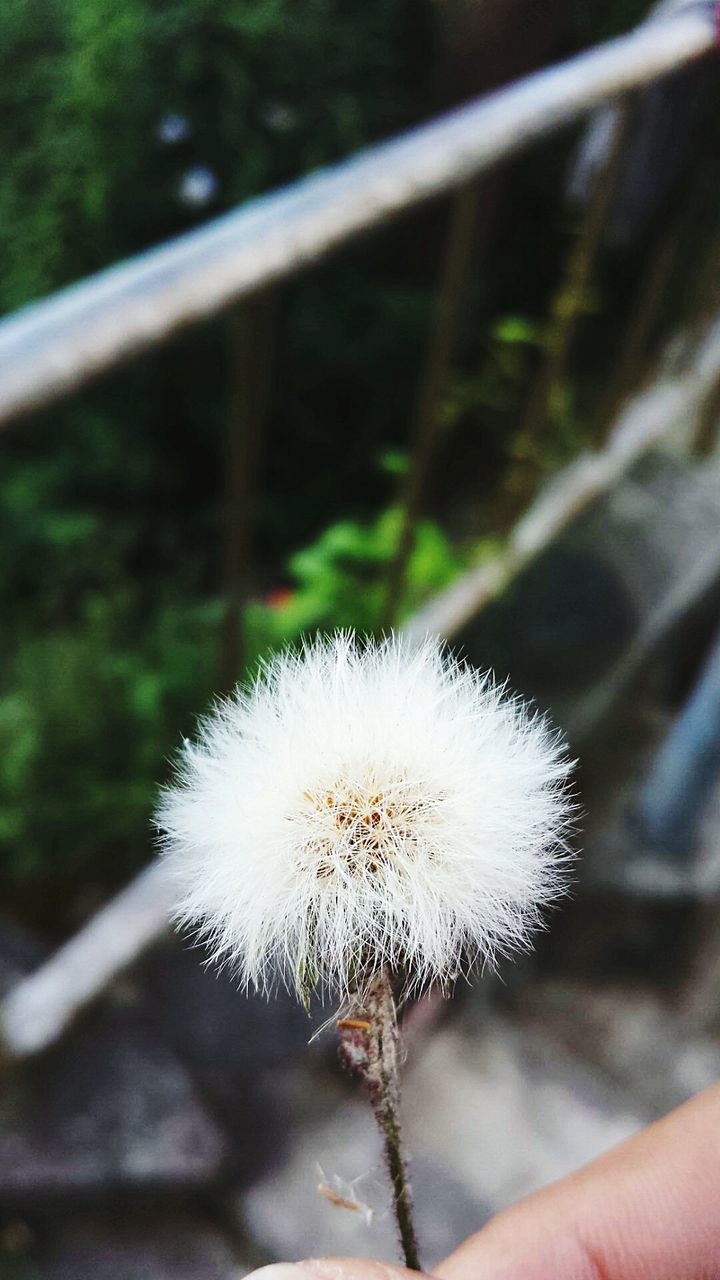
x,y
53,347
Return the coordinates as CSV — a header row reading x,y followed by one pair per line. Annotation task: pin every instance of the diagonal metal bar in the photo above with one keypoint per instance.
x,y
39,1009
648,418
53,347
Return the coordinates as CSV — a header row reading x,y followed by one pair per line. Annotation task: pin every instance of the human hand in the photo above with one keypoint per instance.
x,y
648,1210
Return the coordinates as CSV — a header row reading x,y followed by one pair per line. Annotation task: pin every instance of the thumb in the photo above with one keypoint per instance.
x,y
646,1211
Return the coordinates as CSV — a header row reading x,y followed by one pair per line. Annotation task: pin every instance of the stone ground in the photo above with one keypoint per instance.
x,y
182,1131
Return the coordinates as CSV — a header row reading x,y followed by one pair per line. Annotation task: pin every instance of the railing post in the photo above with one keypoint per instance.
x,y
461,238
570,300
634,340
707,425
249,356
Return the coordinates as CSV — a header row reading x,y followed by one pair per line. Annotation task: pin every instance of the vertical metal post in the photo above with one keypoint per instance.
x,y
685,769
570,300
249,348
634,341
443,334
707,426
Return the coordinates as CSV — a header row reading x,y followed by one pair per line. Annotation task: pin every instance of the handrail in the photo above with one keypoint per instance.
x,y
52,347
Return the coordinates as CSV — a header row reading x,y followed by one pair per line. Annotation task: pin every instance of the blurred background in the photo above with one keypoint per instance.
x,y
354,446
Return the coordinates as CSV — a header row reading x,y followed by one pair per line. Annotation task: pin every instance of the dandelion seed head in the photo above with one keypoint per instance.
x,y
366,804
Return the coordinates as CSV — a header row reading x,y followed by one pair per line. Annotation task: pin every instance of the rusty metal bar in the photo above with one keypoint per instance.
x,y
443,335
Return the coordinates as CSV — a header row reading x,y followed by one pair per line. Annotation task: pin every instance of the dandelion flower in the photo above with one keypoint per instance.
x,y
366,806
367,810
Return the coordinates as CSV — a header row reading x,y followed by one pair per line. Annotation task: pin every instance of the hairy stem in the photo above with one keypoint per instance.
x,y
370,1049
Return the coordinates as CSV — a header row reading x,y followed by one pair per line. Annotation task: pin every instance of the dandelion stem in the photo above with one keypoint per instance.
x,y
370,1049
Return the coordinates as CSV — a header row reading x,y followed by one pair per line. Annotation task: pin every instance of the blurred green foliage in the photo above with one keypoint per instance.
x,y
91,711
88,714
342,578
110,504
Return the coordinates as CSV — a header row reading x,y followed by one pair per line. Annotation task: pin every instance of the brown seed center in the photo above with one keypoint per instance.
x,y
359,829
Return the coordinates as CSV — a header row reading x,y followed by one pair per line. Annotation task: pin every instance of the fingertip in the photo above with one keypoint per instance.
x,y
333,1269
356,1269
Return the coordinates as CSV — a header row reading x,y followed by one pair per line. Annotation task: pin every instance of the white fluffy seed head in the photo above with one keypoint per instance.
x,y
361,805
